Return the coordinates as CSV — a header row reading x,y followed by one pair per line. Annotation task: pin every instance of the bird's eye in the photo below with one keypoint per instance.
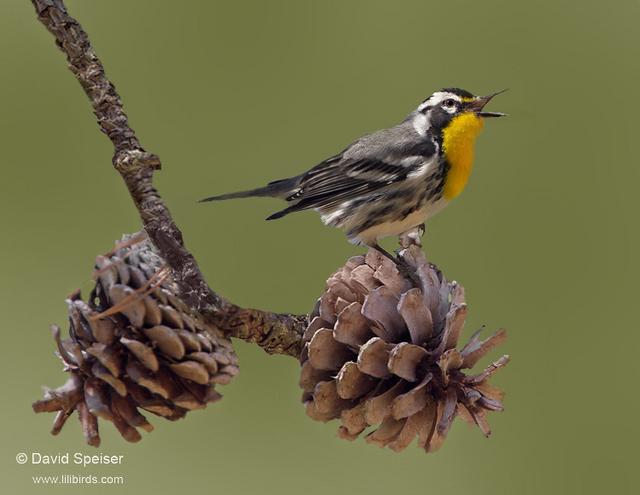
x,y
449,103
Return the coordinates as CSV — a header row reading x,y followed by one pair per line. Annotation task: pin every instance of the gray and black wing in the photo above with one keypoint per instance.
x,y
341,179
370,164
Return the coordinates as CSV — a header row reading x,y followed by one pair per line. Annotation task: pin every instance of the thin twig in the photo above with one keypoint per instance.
x,y
275,333
137,295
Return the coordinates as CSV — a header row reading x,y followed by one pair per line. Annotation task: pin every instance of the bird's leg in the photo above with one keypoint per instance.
x,y
386,253
412,236
402,265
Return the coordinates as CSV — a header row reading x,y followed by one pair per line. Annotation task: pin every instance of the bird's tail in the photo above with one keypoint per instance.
x,y
276,189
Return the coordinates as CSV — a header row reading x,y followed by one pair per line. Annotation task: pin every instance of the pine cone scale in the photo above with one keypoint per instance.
x,y
352,383
377,408
352,327
326,353
416,315
374,356
405,360
411,402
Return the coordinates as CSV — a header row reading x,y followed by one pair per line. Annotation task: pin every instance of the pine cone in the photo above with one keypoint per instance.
x,y
135,345
381,351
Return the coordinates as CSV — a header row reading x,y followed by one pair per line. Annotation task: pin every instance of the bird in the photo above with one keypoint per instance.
x,y
390,181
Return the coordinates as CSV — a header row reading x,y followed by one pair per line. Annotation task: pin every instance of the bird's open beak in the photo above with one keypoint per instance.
x,y
478,103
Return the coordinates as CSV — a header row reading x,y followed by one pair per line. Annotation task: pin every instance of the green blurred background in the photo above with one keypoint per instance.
x,y
233,94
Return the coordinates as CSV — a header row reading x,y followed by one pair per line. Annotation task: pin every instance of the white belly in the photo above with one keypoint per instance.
x,y
372,235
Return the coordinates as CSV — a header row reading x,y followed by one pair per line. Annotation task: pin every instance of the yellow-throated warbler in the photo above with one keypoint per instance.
x,y
392,180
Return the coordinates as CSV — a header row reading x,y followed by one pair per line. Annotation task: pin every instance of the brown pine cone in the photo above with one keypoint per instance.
x,y
381,351
135,345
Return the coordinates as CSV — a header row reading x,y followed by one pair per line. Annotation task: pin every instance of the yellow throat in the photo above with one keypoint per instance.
x,y
458,142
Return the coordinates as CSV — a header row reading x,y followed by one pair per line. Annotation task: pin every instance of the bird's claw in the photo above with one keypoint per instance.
x,y
408,271
412,237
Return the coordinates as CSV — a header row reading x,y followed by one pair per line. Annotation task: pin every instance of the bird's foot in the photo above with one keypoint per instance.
x,y
403,267
408,271
412,237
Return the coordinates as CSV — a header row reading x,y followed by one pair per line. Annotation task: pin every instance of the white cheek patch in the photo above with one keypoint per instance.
x,y
421,123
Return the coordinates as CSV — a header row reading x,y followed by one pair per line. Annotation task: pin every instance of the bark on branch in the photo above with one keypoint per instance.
x,y
275,333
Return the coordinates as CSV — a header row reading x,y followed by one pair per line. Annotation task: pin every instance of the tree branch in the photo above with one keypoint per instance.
x,y
275,333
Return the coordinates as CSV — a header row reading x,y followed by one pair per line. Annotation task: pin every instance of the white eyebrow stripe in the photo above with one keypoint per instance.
x,y
437,98
424,105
